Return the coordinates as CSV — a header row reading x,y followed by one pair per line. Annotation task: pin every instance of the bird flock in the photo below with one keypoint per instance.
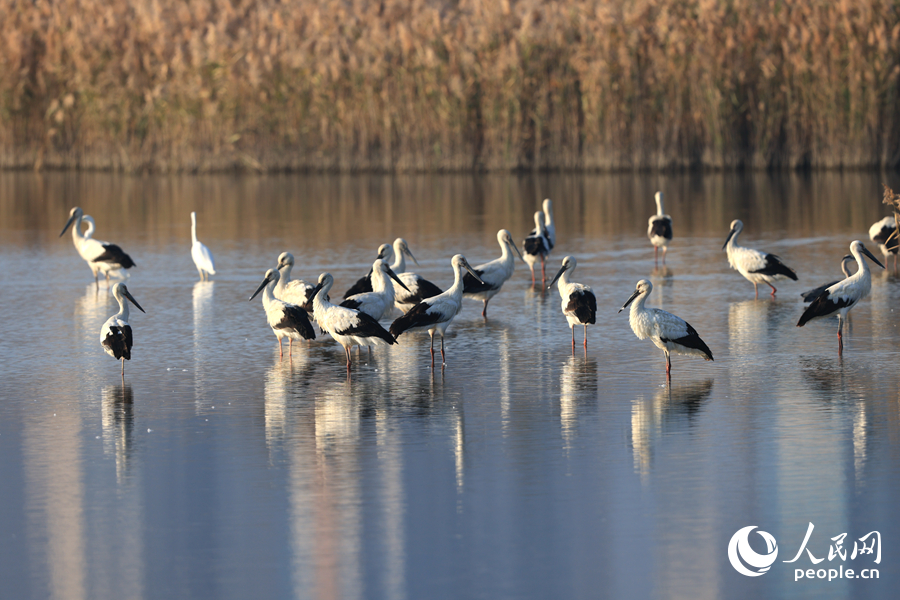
x,y
294,308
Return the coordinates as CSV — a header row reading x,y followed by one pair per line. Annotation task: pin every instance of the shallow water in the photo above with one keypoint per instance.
x,y
518,470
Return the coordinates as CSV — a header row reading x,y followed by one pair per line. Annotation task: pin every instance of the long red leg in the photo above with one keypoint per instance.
x,y
432,350
773,288
665,249
585,336
484,311
442,351
656,255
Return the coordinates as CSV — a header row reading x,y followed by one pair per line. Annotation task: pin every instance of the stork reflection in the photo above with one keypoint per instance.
x,y
578,387
117,419
672,409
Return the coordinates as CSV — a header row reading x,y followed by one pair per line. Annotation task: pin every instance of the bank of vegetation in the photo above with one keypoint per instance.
x,y
417,85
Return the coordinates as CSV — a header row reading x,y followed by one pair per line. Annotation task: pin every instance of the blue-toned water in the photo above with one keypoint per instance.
x,y
518,470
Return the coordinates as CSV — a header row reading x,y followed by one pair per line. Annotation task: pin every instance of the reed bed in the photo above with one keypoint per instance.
x,y
267,85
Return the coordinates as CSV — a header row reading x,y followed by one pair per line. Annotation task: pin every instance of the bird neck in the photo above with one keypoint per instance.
x,y
285,277
638,305
123,308
659,207
548,218
319,301
399,264
90,230
457,288
77,235
732,243
269,293
863,270
506,254
381,283
193,228
563,280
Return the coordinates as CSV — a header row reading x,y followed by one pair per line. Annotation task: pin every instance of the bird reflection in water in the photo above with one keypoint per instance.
x,y
578,387
671,409
662,279
202,295
117,420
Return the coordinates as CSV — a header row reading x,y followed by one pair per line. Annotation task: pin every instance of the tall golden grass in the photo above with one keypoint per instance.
x,y
199,85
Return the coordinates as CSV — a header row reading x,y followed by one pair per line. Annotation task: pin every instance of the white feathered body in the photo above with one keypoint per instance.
x,y
662,327
380,300
879,233
494,273
335,319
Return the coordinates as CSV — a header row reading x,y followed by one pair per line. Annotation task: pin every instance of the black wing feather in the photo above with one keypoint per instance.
x,y
362,285
350,303
368,327
535,245
584,305
296,318
882,238
418,316
119,341
774,266
473,286
662,228
692,340
114,255
424,289
814,293
823,306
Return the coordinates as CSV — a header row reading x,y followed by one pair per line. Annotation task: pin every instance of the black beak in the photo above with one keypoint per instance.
x,y
315,290
473,273
380,254
393,276
872,257
631,299
128,295
69,222
410,254
728,239
558,275
261,287
513,244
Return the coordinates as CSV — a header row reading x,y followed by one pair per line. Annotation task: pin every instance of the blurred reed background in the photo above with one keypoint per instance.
x,y
265,85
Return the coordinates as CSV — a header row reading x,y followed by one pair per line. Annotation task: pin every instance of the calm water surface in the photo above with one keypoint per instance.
x,y
519,470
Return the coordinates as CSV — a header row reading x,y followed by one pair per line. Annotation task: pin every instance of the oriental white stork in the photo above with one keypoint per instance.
x,y
293,291
493,274
347,326
844,295
101,257
436,313
537,246
415,287
286,320
814,293
380,300
579,305
115,335
884,233
671,334
203,258
548,222
757,267
659,230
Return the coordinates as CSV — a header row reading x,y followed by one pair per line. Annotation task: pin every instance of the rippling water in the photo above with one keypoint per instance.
x,y
520,470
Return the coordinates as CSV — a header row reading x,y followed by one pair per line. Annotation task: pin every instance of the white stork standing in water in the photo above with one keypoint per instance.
x,y
436,313
549,225
415,287
671,334
203,258
101,257
757,267
286,320
293,291
844,295
347,326
659,230
493,274
814,293
537,246
115,335
579,305
380,300
884,233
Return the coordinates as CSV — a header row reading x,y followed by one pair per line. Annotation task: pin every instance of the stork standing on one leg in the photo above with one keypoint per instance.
x,y
844,295
492,274
579,305
286,320
659,230
757,267
436,313
537,246
115,335
669,333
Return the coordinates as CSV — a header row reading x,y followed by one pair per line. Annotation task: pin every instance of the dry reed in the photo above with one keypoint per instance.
x,y
199,85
